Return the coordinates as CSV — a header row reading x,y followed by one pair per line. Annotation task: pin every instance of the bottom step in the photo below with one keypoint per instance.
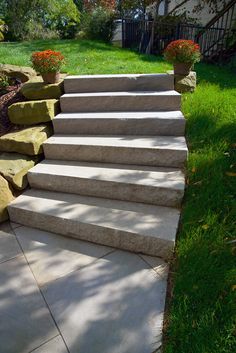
x,y
130,226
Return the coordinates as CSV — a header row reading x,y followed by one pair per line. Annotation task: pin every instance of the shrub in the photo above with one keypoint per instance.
x,y
65,18
99,24
182,51
4,82
41,19
35,30
47,61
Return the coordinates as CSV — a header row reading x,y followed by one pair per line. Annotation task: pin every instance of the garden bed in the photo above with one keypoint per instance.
x,y
8,97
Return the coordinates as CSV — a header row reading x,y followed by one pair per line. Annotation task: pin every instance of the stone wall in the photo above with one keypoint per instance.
x,y
21,148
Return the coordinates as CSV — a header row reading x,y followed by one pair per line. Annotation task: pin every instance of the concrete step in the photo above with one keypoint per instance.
x,y
116,83
120,101
170,123
130,226
158,186
165,151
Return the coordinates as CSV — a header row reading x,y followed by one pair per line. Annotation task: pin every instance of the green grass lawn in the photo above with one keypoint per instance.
x,y
85,57
201,308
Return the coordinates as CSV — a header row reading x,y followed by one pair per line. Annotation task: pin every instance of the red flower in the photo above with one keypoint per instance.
x,y
182,50
47,61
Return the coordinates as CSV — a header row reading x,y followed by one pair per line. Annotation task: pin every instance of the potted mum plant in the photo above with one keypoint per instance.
x,y
48,63
182,54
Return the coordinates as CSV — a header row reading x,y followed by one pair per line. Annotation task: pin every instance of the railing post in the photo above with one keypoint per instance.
x,y
178,31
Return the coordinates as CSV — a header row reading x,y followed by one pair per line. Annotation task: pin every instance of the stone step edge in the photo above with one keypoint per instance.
x,y
29,210
69,77
159,115
171,93
84,179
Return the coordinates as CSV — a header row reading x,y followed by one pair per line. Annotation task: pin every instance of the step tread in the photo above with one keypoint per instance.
x,y
122,94
144,142
178,115
167,178
77,77
149,221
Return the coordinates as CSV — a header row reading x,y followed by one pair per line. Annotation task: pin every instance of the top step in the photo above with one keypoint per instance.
x,y
118,83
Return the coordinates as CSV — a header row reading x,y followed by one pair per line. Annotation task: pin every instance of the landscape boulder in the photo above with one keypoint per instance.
x,y
6,197
33,112
27,141
14,168
40,90
186,83
22,73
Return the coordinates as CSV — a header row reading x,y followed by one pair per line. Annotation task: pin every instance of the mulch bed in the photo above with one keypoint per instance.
x,y
8,97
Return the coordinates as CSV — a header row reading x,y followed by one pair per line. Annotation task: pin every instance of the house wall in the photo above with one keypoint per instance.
x,y
202,17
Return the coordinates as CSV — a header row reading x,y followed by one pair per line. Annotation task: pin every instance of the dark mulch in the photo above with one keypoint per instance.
x,y
8,97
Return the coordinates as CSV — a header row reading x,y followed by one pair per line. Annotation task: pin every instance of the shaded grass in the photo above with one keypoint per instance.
x,y
201,310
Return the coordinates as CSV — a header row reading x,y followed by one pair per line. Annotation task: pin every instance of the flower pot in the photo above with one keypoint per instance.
x,y
51,77
182,68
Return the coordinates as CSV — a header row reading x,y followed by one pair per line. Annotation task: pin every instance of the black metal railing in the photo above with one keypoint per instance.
x,y
134,32
213,38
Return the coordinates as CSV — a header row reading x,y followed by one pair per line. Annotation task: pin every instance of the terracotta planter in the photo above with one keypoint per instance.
x,y
182,68
51,77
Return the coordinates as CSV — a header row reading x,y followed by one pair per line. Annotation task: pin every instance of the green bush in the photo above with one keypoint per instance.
x,y
99,24
4,82
67,30
41,19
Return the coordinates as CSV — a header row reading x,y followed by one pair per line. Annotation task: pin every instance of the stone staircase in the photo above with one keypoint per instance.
x,y
113,172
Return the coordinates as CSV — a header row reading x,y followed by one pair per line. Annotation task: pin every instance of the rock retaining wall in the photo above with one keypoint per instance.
x,y
21,149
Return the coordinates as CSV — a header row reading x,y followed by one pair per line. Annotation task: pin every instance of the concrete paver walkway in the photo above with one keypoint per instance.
x,y
60,295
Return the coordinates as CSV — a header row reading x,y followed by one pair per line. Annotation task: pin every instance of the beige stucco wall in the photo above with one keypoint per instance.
x,y
202,17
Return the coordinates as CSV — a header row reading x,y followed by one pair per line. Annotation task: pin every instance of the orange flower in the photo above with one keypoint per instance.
x,y
47,61
182,50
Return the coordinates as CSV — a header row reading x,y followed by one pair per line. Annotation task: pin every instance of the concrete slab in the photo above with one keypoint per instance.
x,y
56,345
6,227
157,265
165,151
25,319
9,247
114,305
157,186
103,83
125,225
120,101
15,225
51,256
171,123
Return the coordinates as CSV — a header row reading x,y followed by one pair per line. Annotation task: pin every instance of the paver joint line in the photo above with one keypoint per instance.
x,y
41,293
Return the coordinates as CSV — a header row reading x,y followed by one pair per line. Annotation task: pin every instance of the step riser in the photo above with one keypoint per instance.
x,y
119,84
107,189
151,127
97,234
117,155
142,103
